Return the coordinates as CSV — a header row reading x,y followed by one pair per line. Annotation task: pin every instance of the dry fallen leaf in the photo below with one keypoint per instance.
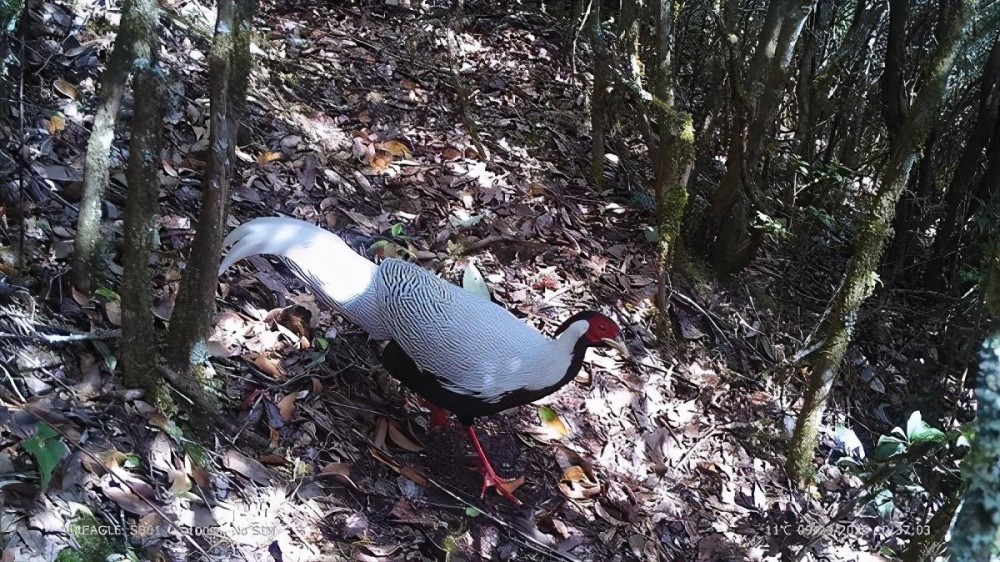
x,y
576,484
179,481
395,148
287,405
401,440
339,471
381,429
268,156
81,299
407,471
56,124
270,367
113,310
552,426
451,154
250,468
65,88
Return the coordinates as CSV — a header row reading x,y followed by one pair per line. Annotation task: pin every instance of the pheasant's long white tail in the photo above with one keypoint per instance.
x,y
336,273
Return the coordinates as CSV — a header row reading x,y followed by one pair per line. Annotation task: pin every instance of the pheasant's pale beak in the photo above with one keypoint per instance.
x,y
617,346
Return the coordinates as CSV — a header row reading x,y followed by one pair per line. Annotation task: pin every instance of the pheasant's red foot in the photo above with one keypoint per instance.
x,y
490,477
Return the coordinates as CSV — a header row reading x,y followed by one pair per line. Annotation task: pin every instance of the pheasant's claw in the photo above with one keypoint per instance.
x,y
490,479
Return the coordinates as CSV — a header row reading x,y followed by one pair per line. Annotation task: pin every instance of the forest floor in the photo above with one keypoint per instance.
x,y
356,122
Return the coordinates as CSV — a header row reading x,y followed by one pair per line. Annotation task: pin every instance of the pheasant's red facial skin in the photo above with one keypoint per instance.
x,y
601,327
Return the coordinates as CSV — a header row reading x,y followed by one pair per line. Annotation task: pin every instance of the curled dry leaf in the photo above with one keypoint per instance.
x,y
287,405
56,124
577,484
395,148
339,471
127,500
113,310
250,468
270,367
65,88
268,156
381,429
401,440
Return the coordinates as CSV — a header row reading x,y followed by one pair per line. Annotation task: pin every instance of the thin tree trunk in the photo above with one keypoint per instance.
x,y
229,69
960,189
673,159
599,100
633,13
138,21
836,79
975,532
775,46
911,126
906,224
138,349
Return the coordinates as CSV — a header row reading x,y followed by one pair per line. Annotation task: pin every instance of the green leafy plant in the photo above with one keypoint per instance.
x,y
47,448
107,293
905,465
899,442
773,226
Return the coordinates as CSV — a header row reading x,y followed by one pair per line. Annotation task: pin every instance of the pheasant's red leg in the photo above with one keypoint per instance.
x,y
490,477
439,417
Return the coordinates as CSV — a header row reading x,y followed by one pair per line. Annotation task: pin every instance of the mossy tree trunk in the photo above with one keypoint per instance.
x,y
139,19
138,342
673,157
909,125
229,70
906,224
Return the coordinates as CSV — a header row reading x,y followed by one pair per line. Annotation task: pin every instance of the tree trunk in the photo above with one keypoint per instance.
x,y
599,100
673,158
911,126
138,343
835,79
975,532
138,22
959,190
229,69
633,14
906,225
768,67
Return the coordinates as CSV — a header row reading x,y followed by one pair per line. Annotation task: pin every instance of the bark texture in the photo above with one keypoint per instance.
x,y
139,20
229,70
138,334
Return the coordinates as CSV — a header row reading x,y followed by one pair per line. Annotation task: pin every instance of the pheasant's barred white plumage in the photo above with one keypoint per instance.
x,y
474,346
